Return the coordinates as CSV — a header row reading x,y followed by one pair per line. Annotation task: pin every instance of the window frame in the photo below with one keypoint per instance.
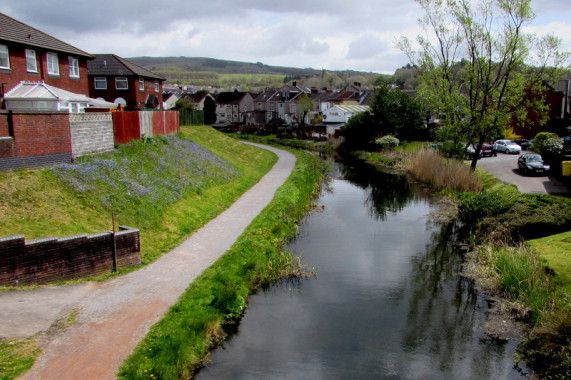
x,y
100,80
29,61
53,64
4,50
157,86
121,80
73,64
141,84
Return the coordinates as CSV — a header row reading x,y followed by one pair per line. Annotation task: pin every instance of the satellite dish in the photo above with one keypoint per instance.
x,y
121,101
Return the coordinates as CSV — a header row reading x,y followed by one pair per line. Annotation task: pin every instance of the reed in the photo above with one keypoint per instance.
x,y
445,174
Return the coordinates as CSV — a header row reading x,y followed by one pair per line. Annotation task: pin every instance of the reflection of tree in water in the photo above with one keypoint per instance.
x,y
445,313
388,192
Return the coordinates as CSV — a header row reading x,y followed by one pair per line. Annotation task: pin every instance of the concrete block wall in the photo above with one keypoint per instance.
x,y
47,260
91,133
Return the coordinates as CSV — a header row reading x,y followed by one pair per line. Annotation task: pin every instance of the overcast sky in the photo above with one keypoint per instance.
x,y
329,34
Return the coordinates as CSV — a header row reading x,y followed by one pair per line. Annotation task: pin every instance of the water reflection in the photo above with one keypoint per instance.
x,y
388,192
387,302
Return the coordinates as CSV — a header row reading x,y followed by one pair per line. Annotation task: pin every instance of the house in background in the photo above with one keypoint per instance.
x,y
29,55
203,101
234,108
115,79
335,117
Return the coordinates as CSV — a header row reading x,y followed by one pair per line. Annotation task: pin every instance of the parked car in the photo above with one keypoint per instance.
x,y
488,150
566,146
525,144
507,146
531,163
471,151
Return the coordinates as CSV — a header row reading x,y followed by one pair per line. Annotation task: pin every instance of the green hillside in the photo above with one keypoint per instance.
x,y
248,76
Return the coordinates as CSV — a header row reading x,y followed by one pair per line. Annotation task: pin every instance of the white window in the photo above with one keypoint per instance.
x,y
4,57
121,83
141,84
100,83
31,63
53,64
157,86
73,67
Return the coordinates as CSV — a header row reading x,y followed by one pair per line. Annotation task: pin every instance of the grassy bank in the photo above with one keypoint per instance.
x,y
177,344
37,203
166,188
315,146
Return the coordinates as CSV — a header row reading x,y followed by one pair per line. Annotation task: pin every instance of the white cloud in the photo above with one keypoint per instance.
x,y
335,34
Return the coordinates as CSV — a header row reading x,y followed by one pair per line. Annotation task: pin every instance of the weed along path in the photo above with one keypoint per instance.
x,y
112,317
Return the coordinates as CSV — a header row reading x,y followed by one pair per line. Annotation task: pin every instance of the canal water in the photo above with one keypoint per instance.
x,y
387,301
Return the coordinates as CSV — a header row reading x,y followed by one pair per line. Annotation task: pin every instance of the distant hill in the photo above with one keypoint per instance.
x,y
223,73
226,67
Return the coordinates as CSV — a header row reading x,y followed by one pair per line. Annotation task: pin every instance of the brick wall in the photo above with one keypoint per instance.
x,y
18,71
34,139
51,259
91,133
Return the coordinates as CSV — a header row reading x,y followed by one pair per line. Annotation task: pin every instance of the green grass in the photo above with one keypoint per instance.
x,y
177,344
316,146
536,297
34,203
556,250
17,356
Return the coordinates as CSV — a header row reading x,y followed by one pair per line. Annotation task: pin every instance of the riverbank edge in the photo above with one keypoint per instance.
x,y
180,343
536,346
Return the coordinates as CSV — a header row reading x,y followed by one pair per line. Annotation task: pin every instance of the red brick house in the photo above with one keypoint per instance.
x,y
27,54
117,80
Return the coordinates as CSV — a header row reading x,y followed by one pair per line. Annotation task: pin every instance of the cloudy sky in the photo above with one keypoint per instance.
x,y
332,34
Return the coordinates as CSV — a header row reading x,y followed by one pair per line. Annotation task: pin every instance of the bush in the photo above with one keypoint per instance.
x,y
547,144
387,142
491,202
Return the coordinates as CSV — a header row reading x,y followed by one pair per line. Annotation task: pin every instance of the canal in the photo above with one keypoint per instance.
x,y
387,301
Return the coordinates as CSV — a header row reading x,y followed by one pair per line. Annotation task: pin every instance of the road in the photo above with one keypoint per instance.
x,y
504,167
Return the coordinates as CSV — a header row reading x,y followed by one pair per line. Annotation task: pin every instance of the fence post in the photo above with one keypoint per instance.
x,y
114,246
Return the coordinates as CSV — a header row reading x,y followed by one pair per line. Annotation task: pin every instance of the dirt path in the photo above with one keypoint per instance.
x,y
112,317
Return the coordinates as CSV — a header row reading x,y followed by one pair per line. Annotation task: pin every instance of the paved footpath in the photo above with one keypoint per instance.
x,y
113,316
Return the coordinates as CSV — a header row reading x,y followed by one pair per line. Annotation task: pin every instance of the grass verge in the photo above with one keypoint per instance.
x,y
316,146
178,344
16,356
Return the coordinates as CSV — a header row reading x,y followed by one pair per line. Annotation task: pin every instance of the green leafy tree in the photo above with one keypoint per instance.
x,y
393,113
474,66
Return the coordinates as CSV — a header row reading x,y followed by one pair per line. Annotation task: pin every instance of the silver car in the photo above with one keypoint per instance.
x,y
507,146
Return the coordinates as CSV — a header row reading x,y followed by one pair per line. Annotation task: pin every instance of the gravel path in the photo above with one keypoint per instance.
x,y
112,317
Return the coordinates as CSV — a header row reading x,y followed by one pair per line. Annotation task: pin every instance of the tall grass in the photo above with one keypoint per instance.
x,y
537,298
429,167
177,344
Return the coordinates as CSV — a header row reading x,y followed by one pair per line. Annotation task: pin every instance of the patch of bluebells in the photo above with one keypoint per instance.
x,y
148,177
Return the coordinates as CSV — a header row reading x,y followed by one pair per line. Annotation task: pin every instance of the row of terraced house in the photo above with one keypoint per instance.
x,y
59,102
289,105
